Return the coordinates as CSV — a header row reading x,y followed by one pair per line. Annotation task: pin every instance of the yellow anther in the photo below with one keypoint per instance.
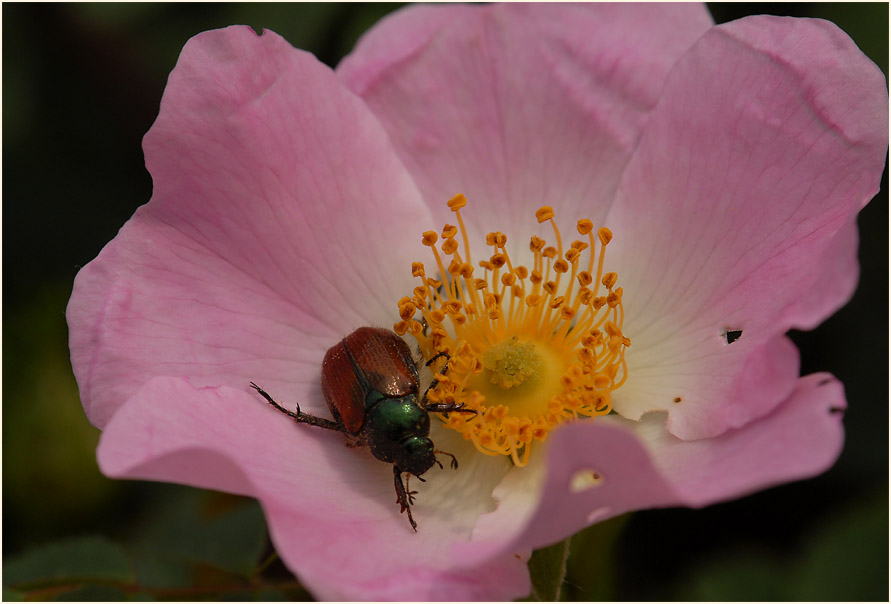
x,y
449,246
544,213
457,202
452,307
601,381
406,311
528,349
401,328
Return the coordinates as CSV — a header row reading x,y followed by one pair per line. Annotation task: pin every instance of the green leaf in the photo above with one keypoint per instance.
x,y
91,593
547,569
74,560
847,560
591,571
13,595
199,528
745,574
271,594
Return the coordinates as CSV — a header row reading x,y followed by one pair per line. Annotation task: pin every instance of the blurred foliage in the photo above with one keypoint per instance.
x,y
194,545
81,85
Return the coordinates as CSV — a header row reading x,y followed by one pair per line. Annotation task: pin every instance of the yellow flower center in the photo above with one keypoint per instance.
x,y
527,348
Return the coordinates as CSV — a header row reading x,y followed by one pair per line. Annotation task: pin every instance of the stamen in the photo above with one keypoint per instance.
x,y
528,349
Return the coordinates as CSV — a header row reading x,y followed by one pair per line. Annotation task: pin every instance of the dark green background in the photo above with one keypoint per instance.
x,y
81,85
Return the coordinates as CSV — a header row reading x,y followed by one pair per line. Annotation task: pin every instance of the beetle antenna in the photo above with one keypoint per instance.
x,y
454,460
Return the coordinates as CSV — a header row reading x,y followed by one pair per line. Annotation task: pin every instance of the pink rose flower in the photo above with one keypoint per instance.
x,y
729,163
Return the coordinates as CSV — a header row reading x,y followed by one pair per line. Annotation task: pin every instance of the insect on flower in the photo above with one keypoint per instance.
x,y
372,387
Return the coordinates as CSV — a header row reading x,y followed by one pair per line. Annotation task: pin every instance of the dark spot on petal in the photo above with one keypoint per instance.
x,y
677,399
518,557
731,335
584,479
836,410
824,381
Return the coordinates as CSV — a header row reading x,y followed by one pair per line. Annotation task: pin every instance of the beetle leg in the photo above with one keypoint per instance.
x,y
447,408
402,498
411,494
454,461
437,356
300,416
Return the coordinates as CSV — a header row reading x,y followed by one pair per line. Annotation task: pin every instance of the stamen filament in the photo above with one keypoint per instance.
x,y
552,354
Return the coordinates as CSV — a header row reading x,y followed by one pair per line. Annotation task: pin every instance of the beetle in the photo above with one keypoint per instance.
x,y
372,387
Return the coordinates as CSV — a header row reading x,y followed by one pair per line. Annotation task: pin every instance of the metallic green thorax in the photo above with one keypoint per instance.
x,y
396,430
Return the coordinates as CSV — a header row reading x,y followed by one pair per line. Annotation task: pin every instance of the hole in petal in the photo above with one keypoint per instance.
x,y
584,479
597,515
731,335
677,399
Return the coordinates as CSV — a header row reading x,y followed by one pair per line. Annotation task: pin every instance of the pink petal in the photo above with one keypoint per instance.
x,y
519,105
278,224
323,500
737,212
642,466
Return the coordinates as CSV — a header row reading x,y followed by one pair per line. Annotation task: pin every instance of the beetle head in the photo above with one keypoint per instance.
x,y
415,455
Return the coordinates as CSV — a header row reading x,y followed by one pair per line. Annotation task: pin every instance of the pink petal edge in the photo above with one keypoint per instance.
x,y
235,271
741,199
643,466
321,498
458,88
